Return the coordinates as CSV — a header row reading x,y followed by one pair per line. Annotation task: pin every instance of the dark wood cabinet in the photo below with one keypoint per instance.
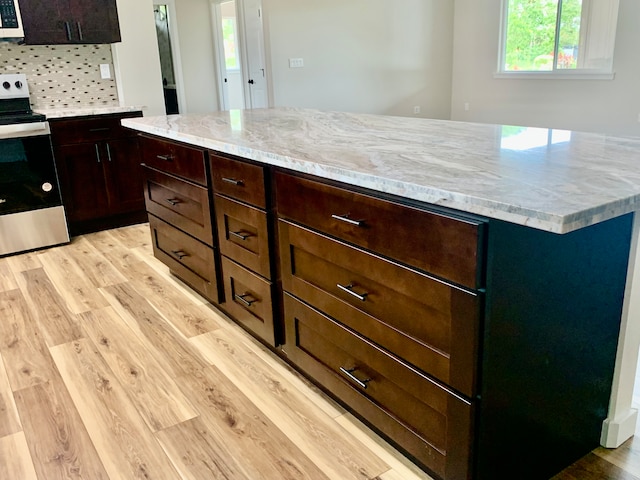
x,y
100,175
177,196
70,21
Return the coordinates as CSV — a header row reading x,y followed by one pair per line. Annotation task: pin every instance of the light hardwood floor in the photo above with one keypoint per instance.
x,y
110,368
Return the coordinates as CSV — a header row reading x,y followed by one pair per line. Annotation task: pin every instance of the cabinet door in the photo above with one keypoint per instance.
x,y
95,21
123,175
46,21
82,181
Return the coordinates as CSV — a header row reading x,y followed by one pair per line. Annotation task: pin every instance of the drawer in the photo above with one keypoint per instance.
x,y
248,299
242,232
240,180
176,159
67,131
424,418
445,246
183,204
186,257
430,324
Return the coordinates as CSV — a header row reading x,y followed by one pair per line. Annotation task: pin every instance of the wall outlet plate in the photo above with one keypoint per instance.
x,y
105,71
296,63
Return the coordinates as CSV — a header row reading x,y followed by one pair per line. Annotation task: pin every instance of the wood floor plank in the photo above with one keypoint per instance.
x,y
124,443
24,261
626,456
55,321
134,236
189,319
71,282
93,264
9,419
7,280
155,395
198,454
250,436
112,249
593,467
15,459
22,344
332,448
55,434
179,356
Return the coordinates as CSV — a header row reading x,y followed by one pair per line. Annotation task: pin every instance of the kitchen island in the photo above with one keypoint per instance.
x,y
541,225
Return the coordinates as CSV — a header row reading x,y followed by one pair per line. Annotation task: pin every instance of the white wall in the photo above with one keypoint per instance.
x,y
591,105
136,59
375,56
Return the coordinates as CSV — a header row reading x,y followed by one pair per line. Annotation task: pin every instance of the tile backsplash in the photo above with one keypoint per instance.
x,y
62,75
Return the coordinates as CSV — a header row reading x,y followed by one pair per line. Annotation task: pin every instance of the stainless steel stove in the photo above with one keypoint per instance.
x,y
31,211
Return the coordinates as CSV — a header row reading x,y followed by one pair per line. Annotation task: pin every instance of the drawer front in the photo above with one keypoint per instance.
x,y
174,158
429,422
186,257
242,232
248,298
180,203
444,246
86,130
240,180
431,324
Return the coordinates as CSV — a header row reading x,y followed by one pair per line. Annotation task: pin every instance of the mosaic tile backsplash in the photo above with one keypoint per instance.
x,y
62,76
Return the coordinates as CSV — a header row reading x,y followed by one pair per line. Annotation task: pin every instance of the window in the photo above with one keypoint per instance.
x,y
563,37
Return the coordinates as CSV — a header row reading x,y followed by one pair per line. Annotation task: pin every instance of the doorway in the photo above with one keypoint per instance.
x,y
163,11
239,42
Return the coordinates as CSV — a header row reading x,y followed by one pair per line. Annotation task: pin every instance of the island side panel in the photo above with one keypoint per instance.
x,y
552,320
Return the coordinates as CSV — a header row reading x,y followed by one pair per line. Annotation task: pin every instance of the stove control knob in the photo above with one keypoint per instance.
x,y
47,187
6,85
18,84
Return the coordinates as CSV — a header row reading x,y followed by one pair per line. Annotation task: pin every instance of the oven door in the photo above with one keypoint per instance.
x,y
28,178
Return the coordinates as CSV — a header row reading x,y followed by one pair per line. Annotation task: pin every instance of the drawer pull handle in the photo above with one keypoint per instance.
x,y
98,153
242,236
173,201
233,181
102,129
349,289
166,158
243,300
180,254
346,219
348,372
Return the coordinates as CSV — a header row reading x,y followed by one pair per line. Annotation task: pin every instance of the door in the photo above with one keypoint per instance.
x,y
239,38
88,198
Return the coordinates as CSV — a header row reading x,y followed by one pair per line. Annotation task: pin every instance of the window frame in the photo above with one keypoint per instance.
x,y
556,73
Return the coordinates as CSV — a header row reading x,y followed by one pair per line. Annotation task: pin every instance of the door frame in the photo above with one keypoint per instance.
x,y
175,53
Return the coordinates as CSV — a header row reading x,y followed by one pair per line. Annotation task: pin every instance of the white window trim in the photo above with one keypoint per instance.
x,y
557,74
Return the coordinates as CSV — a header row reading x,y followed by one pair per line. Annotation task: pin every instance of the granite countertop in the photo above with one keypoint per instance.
x,y
553,180
67,112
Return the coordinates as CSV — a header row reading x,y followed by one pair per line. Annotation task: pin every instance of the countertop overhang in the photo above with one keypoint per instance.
x,y
552,180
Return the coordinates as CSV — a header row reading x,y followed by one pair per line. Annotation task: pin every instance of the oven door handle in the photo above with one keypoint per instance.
x,y
19,130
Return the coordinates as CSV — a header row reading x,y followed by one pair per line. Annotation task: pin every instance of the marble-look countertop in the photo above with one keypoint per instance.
x,y
68,112
552,180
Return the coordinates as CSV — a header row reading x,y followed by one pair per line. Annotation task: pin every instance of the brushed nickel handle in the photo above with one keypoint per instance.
x,y
101,129
180,254
242,299
80,31
349,289
240,235
173,201
98,153
166,158
233,181
346,219
108,152
348,372
68,30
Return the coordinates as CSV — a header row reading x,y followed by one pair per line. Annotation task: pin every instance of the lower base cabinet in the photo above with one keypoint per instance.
x,y
429,421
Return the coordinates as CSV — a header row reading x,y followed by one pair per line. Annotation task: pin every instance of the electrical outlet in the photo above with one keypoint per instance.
x,y
416,109
466,107
105,71
296,63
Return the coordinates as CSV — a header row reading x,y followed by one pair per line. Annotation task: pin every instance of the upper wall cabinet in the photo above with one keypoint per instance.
x,y
50,22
